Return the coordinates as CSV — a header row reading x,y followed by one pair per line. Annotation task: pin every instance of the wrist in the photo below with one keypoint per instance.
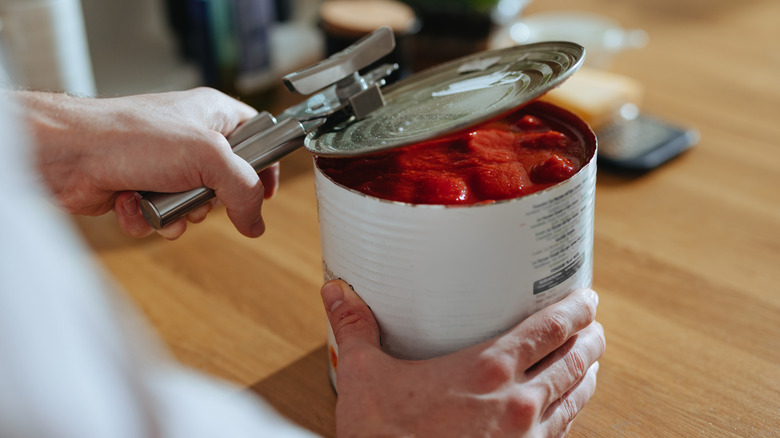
x,y
57,125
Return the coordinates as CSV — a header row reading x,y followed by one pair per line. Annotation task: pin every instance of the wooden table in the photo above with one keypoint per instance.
x,y
687,258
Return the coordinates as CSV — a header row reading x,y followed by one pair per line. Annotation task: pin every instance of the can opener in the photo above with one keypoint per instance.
x,y
341,93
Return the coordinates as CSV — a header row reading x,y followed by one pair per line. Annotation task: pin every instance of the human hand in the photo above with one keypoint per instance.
x,y
97,154
531,381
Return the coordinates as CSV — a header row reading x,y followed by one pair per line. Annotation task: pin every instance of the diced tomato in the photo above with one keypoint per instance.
x,y
492,145
433,155
442,189
554,169
500,181
529,123
549,140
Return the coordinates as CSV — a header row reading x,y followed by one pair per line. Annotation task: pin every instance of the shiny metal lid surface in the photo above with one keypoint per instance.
x,y
451,97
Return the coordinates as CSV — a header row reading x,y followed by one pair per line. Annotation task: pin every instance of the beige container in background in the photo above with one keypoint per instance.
x,y
439,279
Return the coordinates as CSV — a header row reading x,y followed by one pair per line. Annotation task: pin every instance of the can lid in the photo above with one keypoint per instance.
x,y
451,97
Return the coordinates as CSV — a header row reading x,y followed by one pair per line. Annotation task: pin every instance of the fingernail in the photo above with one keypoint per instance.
x,y
270,194
589,295
130,205
594,296
268,191
332,295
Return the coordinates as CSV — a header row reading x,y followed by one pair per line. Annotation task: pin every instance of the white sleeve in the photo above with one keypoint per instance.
x,y
75,359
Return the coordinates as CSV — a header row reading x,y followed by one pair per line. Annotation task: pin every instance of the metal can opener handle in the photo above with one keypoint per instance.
x,y
262,140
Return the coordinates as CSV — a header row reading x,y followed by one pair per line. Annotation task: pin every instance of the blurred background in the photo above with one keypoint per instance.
x,y
243,47
115,47
686,257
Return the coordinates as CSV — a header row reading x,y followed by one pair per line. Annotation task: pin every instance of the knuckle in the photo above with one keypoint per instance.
x,y
568,409
69,204
216,144
245,195
589,307
351,320
601,339
522,409
347,318
357,360
219,163
494,370
208,148
576,364
557,327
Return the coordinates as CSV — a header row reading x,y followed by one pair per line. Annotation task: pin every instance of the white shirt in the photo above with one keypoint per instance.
x,y
76,360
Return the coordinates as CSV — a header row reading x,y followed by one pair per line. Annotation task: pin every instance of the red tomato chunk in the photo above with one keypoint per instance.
x,y
510,157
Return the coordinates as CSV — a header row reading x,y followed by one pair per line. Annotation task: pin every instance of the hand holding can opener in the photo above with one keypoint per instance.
x,y
263,140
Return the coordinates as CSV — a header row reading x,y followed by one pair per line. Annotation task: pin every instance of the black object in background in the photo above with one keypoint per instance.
x,y
229,40
178,19
284,10
643,143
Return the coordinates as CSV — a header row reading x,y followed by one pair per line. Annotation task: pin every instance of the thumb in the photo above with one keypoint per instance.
x,y
350,318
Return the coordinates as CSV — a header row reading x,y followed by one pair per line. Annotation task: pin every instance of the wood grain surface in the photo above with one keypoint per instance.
x,y
687,257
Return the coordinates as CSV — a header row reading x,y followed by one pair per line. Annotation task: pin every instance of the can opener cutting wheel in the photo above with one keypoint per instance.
x,y
341,93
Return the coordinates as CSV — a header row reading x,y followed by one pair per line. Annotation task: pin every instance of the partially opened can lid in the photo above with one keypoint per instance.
x,y
451,97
